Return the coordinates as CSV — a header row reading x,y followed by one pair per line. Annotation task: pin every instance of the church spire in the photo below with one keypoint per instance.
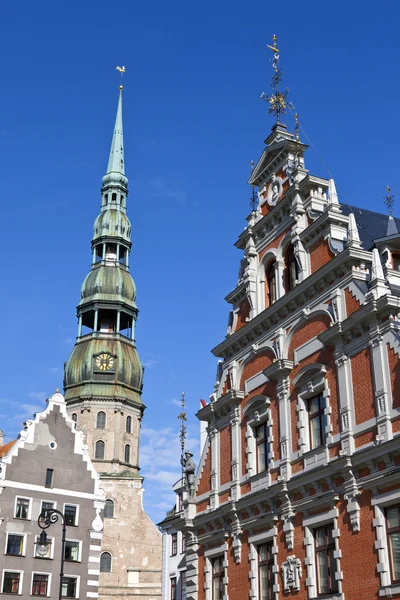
x,y
116,159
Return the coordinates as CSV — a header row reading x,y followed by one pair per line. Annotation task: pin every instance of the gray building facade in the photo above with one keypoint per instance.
x,y
48,466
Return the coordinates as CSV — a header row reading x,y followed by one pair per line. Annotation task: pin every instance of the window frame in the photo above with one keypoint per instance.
x,y
101,412
53,502
76,513
174,544
95,450
219,576
79,542
291,269
77,586
111,561
128,424
328,549
258,413
23,536
173,587
320,416
264,443
127,448
49,480
113,509
271,279
20,581
48,584
389,532
269,563
29,517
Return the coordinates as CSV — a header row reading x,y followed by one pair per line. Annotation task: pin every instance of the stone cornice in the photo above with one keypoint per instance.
x,y
327,276
223,405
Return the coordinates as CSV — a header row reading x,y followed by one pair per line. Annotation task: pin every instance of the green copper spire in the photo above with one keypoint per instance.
x,y
104,364
116,159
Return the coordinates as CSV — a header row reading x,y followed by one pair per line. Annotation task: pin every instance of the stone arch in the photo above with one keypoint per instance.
x,y
255,363
306,329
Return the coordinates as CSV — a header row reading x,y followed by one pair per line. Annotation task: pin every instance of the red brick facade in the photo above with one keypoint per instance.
x,y
303,429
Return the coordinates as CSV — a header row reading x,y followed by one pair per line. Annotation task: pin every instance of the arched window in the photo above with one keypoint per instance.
x,y
127,453
100,449
105,562
74,417
292,269
271,284
128,424
109,509
101,420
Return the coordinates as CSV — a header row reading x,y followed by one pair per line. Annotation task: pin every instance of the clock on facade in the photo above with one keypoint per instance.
x,y
104,361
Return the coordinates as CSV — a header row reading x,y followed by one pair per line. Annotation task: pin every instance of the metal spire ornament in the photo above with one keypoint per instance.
x,y
182,432
389,200
276,100
253,197
122,71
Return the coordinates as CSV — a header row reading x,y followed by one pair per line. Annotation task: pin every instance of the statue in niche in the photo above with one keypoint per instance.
x,y
189,469
291,574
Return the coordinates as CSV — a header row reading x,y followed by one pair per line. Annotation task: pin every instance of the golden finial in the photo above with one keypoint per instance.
x,y
122,71
273,48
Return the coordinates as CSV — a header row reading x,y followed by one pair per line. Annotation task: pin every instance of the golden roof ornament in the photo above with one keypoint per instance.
x,y
122,71
276,100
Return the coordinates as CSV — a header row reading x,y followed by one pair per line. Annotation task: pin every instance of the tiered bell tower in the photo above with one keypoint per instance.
x,y
103,383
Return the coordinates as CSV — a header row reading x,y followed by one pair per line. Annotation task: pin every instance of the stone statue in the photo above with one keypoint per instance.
x,y
189,468
291,573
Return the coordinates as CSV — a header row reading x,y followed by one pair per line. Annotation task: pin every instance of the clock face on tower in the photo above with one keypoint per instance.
x,y
104,361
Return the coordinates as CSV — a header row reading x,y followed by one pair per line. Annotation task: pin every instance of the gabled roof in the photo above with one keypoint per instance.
x,y
371,225
6,448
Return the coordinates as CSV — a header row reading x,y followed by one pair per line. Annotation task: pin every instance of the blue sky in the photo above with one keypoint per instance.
x,y
193,120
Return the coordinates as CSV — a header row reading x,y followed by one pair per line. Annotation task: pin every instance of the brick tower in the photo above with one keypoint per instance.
x,y
298,486
103,385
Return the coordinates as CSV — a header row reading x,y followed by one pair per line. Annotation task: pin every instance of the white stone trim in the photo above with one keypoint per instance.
x,y
77,510
254,541
21,579
21,486
309,524
209,555
23,535
381,543
40,488
259,413
35,572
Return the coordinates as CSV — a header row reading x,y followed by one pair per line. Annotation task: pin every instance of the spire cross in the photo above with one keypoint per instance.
x,y
122,71
389,200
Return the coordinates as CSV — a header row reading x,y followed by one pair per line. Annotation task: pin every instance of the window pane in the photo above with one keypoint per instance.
x,y
68,587
109,509
39,585
49,477
71,551
393,516
11,583
323,574
47,505
127,453
315,432
105,562
395,554
101,420
100,450
70,514
261,457
313,404
128,424
22,509
15,544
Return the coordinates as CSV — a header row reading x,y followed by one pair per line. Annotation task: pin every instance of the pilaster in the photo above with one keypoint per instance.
x,y
346,400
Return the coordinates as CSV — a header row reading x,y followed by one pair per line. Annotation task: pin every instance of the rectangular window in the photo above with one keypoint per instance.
x,y
325,562
262,447
393,532
70,514
22,508
44,551
317,421
217,578
183,543
174,544
15,544
183,585
11,582
71,551
173,588
40,584
47,505
49,478
69,587
265,574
